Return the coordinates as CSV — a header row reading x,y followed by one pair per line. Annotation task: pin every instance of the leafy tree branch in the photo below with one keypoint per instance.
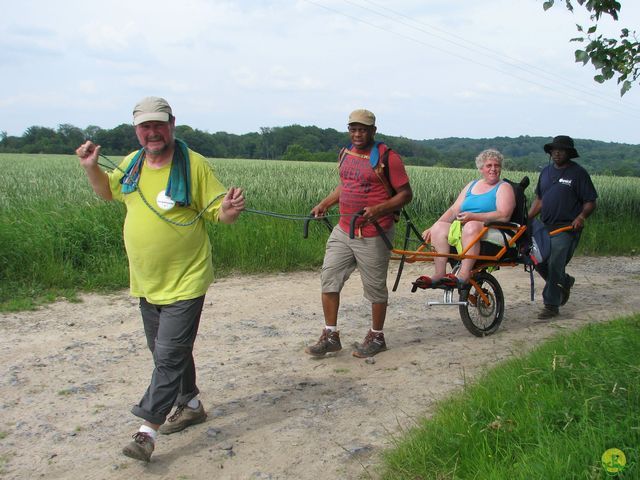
x,y
609,56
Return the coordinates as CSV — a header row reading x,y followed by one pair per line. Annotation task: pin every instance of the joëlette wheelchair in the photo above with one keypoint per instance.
x,y
481,301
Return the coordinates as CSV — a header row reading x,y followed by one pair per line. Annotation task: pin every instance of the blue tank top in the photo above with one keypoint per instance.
x,y
482,203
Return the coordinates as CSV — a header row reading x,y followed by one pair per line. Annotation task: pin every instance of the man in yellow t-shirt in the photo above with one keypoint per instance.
x,y
168,190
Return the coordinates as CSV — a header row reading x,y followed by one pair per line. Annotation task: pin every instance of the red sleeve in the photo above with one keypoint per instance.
x,y
397,173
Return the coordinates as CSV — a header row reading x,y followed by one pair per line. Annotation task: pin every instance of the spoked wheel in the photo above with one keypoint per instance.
x,y
483,313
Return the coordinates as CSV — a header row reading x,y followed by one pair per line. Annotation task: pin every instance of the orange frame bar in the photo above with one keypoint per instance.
x,y
419,255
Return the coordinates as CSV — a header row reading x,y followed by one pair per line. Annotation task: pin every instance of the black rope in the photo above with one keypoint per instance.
x,y
292,216
113,166
284,216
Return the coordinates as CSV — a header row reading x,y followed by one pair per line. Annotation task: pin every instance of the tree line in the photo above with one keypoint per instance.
x,y
310,143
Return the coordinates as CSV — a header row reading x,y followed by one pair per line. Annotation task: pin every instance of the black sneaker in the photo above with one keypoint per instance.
x,y
549,311
141,448
566,289
373,343
182,418
328,342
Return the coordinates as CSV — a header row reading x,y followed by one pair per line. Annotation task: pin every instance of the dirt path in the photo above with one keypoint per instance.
x,y
70,373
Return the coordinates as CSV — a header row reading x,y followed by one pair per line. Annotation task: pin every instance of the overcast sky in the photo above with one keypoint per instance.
x,y
426,68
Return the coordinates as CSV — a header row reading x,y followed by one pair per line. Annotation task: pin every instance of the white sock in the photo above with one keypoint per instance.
x,y
331,328
193,403
376,331
150,431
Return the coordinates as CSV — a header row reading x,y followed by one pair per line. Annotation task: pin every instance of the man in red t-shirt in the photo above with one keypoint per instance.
x,y
378,193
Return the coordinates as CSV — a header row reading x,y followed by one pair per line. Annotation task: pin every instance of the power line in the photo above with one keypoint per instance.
x,y
472,60
499,56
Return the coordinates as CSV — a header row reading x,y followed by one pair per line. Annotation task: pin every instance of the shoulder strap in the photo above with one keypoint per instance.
x,y
342,154
385,178
379,163
374,156
383,165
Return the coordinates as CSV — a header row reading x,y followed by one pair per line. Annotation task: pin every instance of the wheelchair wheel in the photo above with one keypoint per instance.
x,y
478,316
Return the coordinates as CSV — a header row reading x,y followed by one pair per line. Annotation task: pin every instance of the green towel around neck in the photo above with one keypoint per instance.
x,y
179,184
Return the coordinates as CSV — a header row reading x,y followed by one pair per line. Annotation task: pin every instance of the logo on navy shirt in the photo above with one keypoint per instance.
x,y
565,181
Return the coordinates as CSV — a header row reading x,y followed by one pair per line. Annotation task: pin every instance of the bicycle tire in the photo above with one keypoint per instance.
x,y
479,318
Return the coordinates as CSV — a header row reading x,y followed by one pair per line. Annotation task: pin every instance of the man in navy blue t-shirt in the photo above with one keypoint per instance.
x,y
565,195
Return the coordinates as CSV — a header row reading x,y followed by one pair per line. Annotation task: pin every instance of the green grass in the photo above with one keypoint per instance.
x,y
548,415
58,238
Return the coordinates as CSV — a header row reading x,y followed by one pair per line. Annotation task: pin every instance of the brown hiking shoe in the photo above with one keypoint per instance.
x,y
141,448
182,418
329,342
373,343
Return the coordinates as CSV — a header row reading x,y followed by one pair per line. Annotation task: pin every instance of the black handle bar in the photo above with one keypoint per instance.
x,y
381,232
324,220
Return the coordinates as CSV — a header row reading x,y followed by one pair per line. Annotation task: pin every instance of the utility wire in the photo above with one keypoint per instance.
x,y
499,56
468,59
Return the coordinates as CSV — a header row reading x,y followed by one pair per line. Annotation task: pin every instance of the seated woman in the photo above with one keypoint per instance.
x,y
486,200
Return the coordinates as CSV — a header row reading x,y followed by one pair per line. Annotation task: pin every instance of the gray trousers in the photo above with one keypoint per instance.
x,y
171,332
553,270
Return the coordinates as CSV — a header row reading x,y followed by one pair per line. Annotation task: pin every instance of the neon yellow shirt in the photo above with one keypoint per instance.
x,y
168,263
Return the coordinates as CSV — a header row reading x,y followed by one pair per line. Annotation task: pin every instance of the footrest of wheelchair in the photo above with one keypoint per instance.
x,y
448,304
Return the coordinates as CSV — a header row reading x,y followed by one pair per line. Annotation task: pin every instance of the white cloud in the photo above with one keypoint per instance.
x,y
87,86
277,77
425,68
109,38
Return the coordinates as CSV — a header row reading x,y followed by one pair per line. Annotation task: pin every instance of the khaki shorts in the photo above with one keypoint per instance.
x,y
371,257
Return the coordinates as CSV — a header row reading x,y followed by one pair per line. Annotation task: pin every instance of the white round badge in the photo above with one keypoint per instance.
x,y
164,202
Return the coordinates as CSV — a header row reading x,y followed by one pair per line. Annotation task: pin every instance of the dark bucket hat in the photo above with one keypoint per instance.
x,y
564,142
